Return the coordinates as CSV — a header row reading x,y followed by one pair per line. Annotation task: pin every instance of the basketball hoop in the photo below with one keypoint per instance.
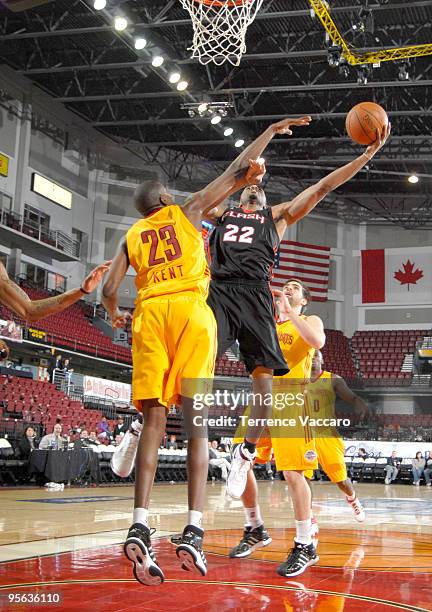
x,y
220,28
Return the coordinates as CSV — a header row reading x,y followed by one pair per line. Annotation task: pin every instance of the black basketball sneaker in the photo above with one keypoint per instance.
x,y
252,539
300,557
137,549
190,551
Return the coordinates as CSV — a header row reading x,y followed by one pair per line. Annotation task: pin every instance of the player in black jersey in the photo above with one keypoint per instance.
x,y
243,245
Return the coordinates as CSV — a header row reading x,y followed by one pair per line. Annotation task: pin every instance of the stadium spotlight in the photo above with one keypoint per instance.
x,y
228,131
182,85
239,143
413,179
140,43
174,77
157,61
216,119
120,23
202,107
99,5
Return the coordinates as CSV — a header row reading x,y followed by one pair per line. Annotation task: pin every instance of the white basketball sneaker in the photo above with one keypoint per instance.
x,y
359,513
123,459
241,463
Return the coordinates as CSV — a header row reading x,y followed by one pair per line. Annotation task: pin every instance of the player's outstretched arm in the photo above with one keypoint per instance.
x,y
12,296
344,392
311,329
119,267
291,212
237,175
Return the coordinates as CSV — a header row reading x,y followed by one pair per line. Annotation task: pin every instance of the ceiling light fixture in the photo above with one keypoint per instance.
x,y
140,43
174,77
157,61
120,24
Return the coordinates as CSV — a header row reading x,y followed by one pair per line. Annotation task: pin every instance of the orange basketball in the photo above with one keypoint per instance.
x,y
364,121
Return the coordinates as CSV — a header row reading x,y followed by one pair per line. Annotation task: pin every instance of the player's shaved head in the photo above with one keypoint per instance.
x,y
150,195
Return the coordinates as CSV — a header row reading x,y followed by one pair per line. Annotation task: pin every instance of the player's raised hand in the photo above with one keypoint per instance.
x,y
380,141
121,318
94,278
282,301
256,171
283,127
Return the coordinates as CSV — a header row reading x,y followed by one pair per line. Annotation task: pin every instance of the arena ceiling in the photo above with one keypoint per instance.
x,y
73,52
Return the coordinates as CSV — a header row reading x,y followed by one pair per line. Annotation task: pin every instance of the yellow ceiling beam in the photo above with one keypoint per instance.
x,y
354,58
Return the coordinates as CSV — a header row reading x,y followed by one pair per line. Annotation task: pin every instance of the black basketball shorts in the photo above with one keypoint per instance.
x,y
245,312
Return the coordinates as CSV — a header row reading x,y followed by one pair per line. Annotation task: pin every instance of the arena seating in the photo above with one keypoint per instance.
x,y
337,354
24,401
380,354
71,329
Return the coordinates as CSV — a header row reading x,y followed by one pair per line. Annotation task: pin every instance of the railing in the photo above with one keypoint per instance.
x,y
54,238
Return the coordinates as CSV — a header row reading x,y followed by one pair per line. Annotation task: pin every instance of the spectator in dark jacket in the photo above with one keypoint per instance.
x,y
392,467
418,468
120,428
83,440
27,443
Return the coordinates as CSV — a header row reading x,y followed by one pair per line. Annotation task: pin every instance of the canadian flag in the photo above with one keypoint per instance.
x,y
397,276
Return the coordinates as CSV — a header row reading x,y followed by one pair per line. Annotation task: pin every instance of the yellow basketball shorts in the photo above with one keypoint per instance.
x,y
331,457
174,342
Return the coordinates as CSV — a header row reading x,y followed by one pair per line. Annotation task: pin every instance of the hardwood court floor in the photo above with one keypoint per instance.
x,y
69,543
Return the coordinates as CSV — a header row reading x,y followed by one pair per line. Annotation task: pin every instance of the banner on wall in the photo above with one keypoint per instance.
x,y
11,331
379,448
36,334
107,389
396,276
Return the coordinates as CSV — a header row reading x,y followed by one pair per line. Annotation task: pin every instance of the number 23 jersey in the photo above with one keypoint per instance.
x,y
243,245
167,253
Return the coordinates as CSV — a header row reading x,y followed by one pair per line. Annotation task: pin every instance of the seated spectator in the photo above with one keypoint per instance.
x,y
418,468
83,440
172,443
217,460
54,440
92,439
428,469
103,427
27,443
392,467
362,454
120,428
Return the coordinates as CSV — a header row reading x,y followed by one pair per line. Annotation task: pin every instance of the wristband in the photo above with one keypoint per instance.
x,y
84,291
367,156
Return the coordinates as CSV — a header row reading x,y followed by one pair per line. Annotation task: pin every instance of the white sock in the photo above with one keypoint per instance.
x,y
303,529
140,515
195,518
253,517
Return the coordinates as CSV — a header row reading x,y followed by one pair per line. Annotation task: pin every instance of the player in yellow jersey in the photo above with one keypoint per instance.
x,y
299,335
320,396
174,339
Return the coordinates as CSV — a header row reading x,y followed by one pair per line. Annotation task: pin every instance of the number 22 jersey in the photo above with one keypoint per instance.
x,y
167,253
243,245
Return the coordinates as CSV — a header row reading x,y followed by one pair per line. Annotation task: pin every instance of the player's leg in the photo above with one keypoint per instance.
x,y
259,346
191,376
308,474
254,535
293,456
331,453
259,411
138,545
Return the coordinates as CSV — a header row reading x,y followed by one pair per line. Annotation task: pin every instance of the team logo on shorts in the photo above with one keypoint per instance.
x,y
310,455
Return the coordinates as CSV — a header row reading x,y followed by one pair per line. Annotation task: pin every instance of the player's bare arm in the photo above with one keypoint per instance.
x,y
238,174
311,328
12,296
291,212
344,392
115,276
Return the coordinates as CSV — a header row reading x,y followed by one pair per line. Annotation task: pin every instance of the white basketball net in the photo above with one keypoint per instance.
x,y
220,28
